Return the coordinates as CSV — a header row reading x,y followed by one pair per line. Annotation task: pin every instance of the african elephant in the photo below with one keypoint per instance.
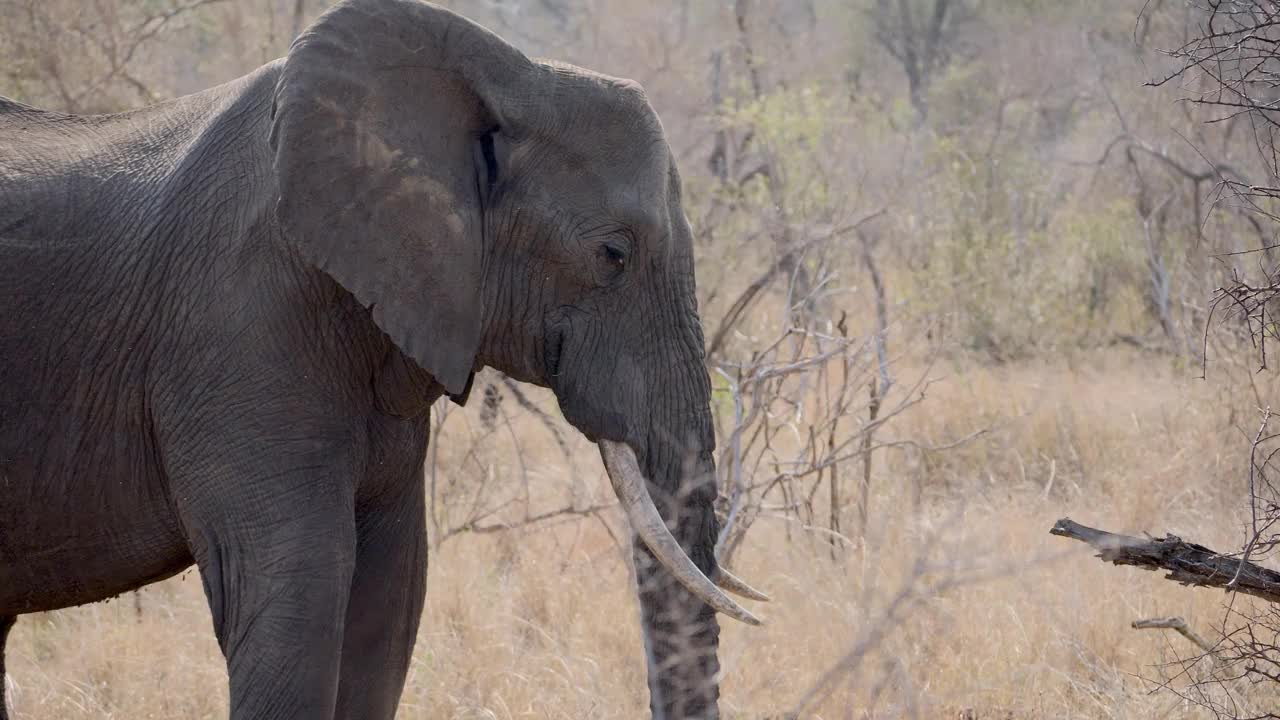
x,y
223,320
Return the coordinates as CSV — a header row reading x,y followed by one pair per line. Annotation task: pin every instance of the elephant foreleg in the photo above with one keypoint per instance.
x,y
278,602
385,605
276,554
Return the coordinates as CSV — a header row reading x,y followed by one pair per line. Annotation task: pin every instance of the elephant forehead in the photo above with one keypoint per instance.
x,y
610,101
639,203
641,179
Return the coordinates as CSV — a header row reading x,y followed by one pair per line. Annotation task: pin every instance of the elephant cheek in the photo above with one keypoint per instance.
x,y
595,422
603,400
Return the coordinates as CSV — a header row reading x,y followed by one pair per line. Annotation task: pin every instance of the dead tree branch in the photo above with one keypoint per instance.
x,y
1186,563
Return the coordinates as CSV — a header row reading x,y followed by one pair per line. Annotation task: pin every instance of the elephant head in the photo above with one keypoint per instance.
x,y
494,210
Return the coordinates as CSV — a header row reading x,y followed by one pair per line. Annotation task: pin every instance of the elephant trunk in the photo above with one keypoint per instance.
x,y
668,495
681,630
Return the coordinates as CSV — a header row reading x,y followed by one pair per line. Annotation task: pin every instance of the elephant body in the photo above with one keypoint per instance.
x,y
223,320
178,384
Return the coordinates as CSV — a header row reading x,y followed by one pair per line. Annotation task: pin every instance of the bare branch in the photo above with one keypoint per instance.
x,y
1186,563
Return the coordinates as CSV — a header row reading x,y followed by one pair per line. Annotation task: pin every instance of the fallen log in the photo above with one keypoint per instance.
x,y
1186,563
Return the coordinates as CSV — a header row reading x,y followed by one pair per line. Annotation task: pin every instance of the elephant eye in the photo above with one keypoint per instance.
x,y
612,258
615,255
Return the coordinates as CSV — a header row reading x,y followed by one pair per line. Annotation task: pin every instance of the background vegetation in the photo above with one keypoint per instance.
x,y
956,264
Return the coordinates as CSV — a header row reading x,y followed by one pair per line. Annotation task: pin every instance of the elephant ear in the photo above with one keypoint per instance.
x,y
377,116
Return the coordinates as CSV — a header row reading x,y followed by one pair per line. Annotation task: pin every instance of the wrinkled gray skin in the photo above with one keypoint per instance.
x,y
223,318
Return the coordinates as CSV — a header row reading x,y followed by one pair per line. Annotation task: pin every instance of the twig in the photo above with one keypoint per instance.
x,y
504,526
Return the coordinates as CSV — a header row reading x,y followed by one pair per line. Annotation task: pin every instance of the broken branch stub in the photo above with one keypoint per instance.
x,y
1174,623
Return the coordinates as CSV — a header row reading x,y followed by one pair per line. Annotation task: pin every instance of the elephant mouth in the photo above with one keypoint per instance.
x,y
553,352
609,430
567,372
633,494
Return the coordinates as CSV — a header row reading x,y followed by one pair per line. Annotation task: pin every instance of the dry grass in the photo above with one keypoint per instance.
x,y
543,624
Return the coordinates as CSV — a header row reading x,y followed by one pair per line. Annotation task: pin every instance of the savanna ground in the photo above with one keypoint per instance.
x,y
975,207
543,623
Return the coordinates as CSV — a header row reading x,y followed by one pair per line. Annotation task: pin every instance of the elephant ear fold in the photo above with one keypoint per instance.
x,y
378,111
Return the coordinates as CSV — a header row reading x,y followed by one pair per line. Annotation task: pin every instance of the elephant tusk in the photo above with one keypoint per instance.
x,y
629,485
725,580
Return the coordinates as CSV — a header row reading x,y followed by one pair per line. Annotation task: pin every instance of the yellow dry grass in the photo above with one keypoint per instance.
x,y
543,624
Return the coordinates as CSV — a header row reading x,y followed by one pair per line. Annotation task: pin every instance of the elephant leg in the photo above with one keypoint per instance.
x,y
385,605
6,622
276,558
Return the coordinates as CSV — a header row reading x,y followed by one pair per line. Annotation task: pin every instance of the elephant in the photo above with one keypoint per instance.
x,y
224,319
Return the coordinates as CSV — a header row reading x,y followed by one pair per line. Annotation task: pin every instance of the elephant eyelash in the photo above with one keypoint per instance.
x,y
490,158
